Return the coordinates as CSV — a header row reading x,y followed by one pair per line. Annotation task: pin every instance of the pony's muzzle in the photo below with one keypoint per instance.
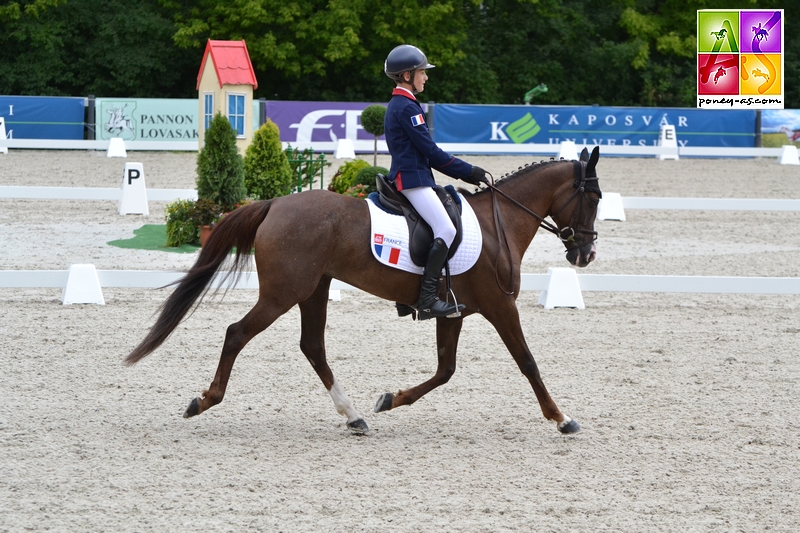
x,y
582,255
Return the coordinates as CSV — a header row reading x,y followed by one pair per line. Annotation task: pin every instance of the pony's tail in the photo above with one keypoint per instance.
x,y
238,229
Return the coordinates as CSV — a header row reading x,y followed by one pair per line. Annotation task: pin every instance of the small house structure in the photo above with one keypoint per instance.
x,y
225,85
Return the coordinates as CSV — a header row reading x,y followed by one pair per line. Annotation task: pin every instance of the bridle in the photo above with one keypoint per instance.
x,y
566,234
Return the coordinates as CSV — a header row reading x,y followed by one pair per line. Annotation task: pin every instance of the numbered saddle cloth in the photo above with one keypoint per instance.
x,y
389,240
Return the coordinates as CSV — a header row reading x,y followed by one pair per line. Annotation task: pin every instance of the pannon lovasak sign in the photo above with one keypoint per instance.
x,y
146,119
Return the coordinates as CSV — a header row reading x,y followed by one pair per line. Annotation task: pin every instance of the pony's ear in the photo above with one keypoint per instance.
x,y
593,159
584,154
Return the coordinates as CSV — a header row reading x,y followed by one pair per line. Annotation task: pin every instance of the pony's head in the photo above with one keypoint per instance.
x,y
575,209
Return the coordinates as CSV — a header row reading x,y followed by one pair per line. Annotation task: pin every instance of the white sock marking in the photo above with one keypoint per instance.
x,y
342,402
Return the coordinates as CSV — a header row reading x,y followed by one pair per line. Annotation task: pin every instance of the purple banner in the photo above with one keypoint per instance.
x,y
303,122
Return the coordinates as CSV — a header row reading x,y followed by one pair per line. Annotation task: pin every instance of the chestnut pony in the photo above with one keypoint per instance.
x,y
303,241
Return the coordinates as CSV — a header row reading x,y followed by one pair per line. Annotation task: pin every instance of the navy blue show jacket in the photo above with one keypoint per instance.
x,y
412,148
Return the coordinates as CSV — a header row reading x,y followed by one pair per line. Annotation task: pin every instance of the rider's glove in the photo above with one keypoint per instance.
x,y
478,175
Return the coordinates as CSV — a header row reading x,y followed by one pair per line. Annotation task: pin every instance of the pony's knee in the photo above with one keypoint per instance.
x,y
446,372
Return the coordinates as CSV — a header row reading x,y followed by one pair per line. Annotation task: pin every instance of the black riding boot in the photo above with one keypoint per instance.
x,y
429,305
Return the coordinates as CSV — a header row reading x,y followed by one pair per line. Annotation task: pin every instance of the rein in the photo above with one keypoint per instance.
x,y
552,228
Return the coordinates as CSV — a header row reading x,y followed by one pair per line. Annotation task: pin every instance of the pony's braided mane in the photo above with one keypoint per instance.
x,y
516,174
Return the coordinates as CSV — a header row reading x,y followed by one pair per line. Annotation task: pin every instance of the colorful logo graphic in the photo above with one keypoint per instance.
x,y
740,59
523,129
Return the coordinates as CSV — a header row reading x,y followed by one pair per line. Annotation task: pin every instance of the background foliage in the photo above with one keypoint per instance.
x,y
614,52
267,173
220,166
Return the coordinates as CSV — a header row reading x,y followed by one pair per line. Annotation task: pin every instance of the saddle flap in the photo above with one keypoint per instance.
x,y
420,235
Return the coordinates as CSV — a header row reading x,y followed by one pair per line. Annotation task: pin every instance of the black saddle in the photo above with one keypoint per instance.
x,y
420,235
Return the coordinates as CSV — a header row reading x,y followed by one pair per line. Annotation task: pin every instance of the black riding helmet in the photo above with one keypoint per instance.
x,y
405,58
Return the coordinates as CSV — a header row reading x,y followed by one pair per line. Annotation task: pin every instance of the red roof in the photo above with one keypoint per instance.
x,y
231,62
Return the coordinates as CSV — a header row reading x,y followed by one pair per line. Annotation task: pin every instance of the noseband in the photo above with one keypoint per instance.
x,y
566,234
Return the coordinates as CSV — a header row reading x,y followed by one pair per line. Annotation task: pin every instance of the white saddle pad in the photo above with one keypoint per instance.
x,y
389,240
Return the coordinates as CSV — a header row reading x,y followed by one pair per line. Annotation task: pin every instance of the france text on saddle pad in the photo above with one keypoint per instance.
x,y
389,240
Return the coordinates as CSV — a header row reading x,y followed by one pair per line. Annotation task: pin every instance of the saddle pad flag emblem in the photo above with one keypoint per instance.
x,y
418,120
387,253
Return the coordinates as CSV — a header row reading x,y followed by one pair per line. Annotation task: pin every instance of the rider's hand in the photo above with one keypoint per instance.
x,y
477,176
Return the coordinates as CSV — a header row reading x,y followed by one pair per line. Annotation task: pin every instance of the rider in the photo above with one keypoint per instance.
x,y
413,154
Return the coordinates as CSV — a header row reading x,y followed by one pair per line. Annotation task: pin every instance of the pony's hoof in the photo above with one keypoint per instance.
x,y
384,403
569,428
193,409
358,426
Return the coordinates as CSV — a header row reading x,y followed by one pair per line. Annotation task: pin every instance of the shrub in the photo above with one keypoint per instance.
x,y
366,177
181,227
372,121
346,175
220,172
267,173
185,217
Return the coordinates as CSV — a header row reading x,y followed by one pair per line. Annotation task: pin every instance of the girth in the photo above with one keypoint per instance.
x,y
420,235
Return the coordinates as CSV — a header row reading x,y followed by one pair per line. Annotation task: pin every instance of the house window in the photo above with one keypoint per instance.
x,y
208,109
236,113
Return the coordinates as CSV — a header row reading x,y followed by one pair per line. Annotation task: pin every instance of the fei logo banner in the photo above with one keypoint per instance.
x,y
740,59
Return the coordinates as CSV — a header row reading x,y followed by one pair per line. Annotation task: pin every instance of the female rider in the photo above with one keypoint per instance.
x,y
413,155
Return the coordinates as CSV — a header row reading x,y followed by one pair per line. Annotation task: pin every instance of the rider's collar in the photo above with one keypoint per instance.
x,y
402,91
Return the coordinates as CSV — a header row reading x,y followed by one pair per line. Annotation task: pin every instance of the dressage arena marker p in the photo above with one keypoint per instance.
x,y
133,200
83,286
116,148
563,289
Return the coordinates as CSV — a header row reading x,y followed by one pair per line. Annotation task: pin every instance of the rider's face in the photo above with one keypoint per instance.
x,y
420,77
418,82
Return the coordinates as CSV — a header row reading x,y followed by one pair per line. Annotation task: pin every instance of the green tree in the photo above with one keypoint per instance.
x,y
372,122
267,173
104,47
220,169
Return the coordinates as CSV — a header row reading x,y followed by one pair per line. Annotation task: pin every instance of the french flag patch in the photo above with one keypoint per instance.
x,y
386,252
418,120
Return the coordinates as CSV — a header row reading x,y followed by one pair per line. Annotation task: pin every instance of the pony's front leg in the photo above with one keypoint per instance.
x,y
447,332
313,313
505,319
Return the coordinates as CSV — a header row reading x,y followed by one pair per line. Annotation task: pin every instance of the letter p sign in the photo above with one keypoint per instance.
x,y
133,198
133,174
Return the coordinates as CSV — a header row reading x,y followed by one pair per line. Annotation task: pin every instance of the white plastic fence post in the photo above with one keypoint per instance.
x,y
611,207
4,149
345,149
563,289
83,286
789,155
116,148
567,150
667,138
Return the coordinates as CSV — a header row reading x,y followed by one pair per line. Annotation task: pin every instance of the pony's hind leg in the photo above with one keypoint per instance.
x,y
314,312
259,318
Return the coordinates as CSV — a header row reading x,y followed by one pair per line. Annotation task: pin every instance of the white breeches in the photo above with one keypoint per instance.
x,y
431,210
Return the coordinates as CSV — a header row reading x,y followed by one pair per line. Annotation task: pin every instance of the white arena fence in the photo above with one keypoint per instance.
x,y
456,148
561,287
153,279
